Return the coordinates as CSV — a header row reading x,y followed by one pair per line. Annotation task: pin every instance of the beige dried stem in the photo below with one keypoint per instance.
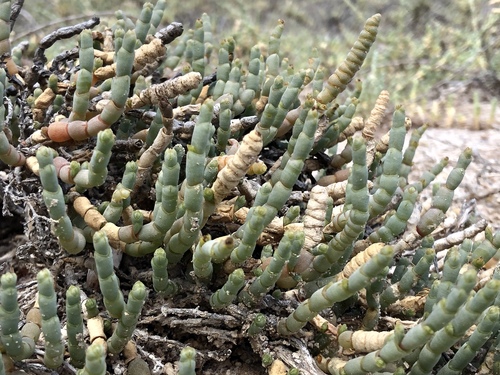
x,y
234,171
357,261
146,54
409,305
314,217
162,140
356,125
164,91
373,122
364,341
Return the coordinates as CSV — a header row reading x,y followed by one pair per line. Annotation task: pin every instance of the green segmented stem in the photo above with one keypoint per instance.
x,y
266,252
487,326
207,34
387,182
275,38
8,153
187,362
372,313
210,173
141,248
119,29
125,55
271,109
208,251
298,127
154,128
287,69
291,215
127,23
114,209
57,103
108,282
341,119
70,238
11,340
17,53
227,294
97,170
223,131
357,195
400,268
4,26
80,130
174,54
84,80
157,16
485,250
143,23
409,153
197,44
281,100
195,57
95,360
344,157
403,344
91,308
396,223
232,86
254,224
281,189
128,179
224,68
176,243
453,331
409,279
263,194
265,282
442,199
336,291
74,325
164,213
258,324
121,196
429,176
161,282
338,81
254,67
272,70
453,263
53,80
136,221
128,321
51,326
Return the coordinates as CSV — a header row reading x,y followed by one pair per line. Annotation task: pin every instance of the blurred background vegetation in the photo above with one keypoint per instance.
x,y
441,59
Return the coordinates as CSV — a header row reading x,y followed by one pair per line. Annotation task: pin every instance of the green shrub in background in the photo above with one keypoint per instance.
x,y
213,201
445,51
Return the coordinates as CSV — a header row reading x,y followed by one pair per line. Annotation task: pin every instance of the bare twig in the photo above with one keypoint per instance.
x,y
59,34
15,9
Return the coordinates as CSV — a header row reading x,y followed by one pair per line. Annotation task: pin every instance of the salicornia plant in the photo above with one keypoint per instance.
x,y
189,204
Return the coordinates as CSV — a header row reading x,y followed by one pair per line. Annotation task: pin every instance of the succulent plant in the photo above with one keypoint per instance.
x,y
205,194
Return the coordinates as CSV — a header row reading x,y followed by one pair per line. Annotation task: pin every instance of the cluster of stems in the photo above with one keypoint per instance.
x,y
164,168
